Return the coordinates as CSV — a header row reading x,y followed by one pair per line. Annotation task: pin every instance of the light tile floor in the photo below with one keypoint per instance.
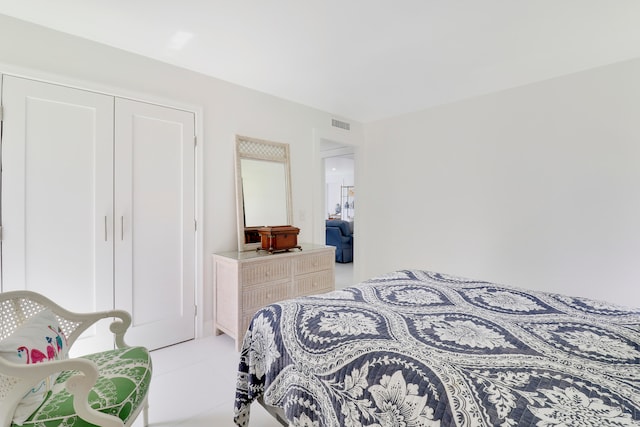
x,y
194,382
344,275
194,385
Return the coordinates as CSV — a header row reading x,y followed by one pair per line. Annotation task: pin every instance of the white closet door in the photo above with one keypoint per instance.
x,y
57,196
155,229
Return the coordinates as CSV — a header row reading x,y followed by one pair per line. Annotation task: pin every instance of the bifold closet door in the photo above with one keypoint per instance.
x,y
155,221
57,196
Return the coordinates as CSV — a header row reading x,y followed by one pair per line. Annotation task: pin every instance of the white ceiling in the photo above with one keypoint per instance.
x,y
360,59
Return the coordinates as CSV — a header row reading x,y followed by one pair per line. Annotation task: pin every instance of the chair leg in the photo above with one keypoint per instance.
x,y
145,413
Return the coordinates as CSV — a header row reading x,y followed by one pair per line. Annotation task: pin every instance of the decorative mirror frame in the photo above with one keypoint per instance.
x,y
258,149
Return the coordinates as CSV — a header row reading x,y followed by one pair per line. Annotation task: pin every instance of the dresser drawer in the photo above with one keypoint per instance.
x,y
261,272
254,297
314,262
315,283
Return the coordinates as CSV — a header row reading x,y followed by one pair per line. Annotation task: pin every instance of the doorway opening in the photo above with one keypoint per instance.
x,y
339,206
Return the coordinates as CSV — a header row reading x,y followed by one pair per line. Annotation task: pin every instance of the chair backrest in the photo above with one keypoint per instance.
x,y
340,224
16,307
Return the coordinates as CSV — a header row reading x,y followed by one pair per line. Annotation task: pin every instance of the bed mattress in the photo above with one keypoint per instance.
x,y
417,348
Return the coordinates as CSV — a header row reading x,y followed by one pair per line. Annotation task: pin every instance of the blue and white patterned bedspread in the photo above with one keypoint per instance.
x,y
415,348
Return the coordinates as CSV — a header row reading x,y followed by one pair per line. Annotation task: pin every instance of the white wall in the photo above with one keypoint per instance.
x,y
537,187
227,110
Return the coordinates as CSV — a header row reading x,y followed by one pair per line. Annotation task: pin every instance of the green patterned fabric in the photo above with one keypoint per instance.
x,y
121,388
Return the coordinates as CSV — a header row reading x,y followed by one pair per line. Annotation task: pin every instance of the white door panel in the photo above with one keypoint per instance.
x,y
96,218
57,195
155,236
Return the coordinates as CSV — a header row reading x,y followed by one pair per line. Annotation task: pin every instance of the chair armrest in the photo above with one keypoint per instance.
x,y
21,378
74,324
333,235
118,327
346,240
80,385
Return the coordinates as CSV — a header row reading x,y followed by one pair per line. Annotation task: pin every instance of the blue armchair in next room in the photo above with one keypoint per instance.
x,y
339,233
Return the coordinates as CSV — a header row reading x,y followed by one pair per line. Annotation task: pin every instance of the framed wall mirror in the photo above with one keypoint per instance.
x,y
263,188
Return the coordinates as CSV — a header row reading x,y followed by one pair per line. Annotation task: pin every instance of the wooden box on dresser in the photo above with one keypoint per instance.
x,y
243,282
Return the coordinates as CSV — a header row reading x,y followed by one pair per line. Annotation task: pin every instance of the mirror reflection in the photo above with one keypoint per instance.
x,y
263,188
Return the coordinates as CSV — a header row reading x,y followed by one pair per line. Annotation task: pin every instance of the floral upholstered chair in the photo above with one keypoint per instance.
x,y
41,387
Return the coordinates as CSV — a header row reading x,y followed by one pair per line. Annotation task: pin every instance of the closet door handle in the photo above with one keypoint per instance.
x,y
122,228
105,228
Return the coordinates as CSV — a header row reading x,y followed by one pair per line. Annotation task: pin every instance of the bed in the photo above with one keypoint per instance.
x,y
417,348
